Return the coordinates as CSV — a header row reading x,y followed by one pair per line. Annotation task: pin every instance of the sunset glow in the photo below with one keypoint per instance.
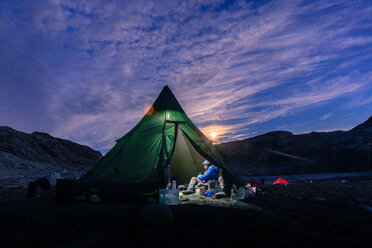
x,y
213,135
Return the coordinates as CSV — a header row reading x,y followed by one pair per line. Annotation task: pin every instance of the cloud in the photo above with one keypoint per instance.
x,y
85,70
326,116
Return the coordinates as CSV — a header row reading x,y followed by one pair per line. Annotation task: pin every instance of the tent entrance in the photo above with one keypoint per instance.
x,y
186,161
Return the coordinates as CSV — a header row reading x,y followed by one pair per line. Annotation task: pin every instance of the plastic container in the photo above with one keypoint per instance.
x,y
169,196
237,193
220,181
197,191
174,184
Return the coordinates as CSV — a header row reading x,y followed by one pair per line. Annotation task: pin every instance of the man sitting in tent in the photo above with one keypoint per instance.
x,y
211,173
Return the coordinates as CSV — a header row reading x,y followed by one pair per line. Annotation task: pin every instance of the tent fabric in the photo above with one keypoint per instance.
x,y
254,183
186,161
281,180
139,160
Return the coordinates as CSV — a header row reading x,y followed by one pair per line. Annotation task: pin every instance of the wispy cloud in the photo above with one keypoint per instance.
x,y
326,116
85,70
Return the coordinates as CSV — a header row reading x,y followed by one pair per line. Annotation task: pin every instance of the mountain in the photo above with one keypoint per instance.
x,y
282,152
40,154
365,125
24,157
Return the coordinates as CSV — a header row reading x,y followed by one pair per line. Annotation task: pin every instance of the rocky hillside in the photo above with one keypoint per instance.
x,y
40,153
282,152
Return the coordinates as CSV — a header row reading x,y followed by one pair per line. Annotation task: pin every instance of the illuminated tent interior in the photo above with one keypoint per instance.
x,y
186,161
138,163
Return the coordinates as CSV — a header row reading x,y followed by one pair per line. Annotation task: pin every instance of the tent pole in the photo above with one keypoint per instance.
x,y
169,178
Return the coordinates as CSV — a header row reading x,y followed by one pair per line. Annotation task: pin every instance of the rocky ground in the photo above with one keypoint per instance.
x,y
300,215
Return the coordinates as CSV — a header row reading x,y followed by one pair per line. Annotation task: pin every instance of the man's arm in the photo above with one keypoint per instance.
x,y
206,175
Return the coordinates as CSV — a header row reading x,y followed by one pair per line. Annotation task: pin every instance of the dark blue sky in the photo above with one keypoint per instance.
x,y
87,70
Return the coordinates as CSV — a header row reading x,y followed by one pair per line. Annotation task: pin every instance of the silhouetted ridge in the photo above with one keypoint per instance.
x,y
366,124
281,152
42,147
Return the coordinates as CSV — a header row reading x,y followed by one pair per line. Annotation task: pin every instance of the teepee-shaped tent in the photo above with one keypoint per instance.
x,y
138,163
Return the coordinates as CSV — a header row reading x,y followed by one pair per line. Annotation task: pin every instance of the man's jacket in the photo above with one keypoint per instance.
x,y
210,174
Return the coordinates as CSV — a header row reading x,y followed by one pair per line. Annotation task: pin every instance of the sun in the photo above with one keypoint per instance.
x,y
213,135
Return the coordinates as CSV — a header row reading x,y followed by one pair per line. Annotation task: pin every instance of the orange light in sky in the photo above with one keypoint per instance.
x,y
213,135
149,110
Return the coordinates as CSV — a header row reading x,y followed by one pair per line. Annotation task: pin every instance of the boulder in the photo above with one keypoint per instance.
x,y
156,214
220,195
95,199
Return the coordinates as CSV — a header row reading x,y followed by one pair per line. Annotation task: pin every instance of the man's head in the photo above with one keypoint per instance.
x,y
206,164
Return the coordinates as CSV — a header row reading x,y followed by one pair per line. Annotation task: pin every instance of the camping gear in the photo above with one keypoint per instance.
x,y
220,195
44,183
254,183
65,191
169,196
237,192
249,192
200,191
138,163
197,191
31,189
203,189
181,187
220,180
217,189
212,185
174,184
281,181
33,186
95,199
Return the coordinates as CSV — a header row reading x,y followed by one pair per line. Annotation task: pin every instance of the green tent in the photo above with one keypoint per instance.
x,y
164,140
